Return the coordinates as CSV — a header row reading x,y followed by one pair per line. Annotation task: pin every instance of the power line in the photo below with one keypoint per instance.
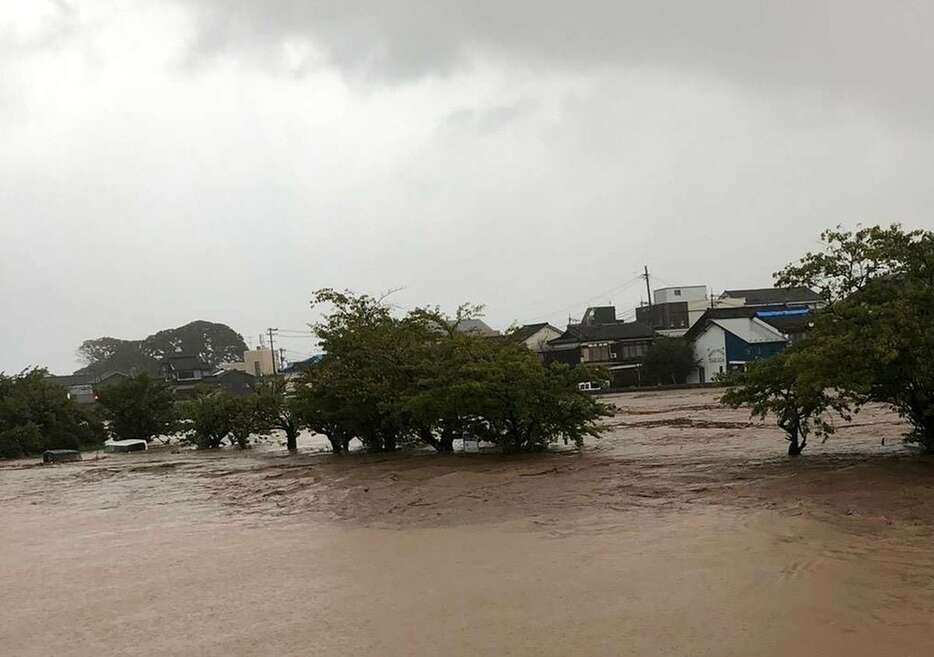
x,y
577,304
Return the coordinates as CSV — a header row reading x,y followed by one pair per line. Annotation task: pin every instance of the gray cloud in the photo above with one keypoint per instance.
x,y
860,51
523,155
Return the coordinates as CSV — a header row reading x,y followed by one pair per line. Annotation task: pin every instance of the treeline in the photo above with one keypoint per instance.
x,y
387,381
384,380
873,342
36,415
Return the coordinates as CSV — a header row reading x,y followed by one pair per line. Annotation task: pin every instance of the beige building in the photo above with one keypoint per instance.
x,y
258,362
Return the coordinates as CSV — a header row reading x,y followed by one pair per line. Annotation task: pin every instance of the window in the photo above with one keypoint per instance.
x,y
635,350
595,353
677,293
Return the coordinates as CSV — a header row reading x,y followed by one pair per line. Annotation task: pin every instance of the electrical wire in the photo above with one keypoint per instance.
x,y
613,290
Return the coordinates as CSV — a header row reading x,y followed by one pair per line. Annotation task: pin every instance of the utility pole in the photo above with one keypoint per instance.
x,y
648,286
272,349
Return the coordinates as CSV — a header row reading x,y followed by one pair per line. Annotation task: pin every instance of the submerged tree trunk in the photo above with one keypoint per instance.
x,y
446,442
796,446
336,444
922,422
291,439
390,442
426,435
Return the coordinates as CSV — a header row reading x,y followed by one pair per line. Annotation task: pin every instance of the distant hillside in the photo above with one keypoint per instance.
x,y
213,343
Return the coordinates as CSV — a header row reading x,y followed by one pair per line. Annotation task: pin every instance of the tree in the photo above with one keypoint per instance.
x,y
792,386
321,406
439,403
209,419
878,329
516,402
139,407
36,414
387,381
369,362
244,417
278,409
669,360
211,342
216,415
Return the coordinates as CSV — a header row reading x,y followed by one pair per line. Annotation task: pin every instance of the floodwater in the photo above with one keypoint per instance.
x,y
685,531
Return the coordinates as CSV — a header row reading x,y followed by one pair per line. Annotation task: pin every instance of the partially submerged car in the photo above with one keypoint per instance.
x,y
60,455
130,445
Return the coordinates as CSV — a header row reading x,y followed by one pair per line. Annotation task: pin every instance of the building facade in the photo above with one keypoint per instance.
x,y
84,388
257,362
730,337
674,309
536,337
601,340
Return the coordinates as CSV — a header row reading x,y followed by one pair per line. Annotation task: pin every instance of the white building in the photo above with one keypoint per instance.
x,y
675,309
536,336
730,343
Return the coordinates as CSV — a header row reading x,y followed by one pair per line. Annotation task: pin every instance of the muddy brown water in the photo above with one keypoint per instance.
x,y
684,531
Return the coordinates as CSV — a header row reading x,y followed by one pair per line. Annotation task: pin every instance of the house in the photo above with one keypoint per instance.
x,y
295,369
774,296
601,340
729,338
188,382
183,369
84,388
237,382
536,336
674,310
476,327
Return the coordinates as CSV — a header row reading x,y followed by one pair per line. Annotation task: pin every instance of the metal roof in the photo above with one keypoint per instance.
x,y
750,330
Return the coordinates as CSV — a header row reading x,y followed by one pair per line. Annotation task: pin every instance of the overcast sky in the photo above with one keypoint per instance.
x,y
163,161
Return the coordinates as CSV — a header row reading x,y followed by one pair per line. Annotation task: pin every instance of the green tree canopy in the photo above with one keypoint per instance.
x,y
795,387
209,420
878,330
213,343
139,407
36,414
669,360
279,409
386,380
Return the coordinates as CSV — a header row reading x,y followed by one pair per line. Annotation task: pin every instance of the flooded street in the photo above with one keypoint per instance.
x,y
684,531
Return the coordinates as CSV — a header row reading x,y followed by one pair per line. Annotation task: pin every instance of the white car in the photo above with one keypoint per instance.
x,y
131,445
589,386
